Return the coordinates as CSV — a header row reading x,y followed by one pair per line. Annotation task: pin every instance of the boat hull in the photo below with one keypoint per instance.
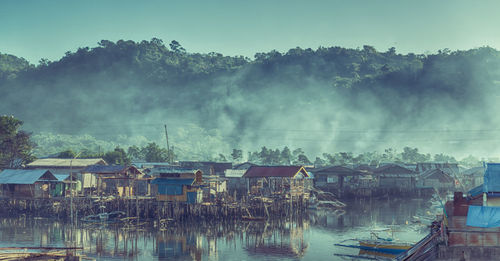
x,y
385,247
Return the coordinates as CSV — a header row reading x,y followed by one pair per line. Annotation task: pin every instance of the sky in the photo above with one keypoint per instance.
x,y
36,29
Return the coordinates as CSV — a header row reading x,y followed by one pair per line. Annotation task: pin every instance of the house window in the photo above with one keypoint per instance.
x,y
332,179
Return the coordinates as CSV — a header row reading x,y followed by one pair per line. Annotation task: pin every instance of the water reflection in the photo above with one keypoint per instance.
x,y
285,240
308,238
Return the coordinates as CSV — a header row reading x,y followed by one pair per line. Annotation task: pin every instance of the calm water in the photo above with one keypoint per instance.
x,y
309,238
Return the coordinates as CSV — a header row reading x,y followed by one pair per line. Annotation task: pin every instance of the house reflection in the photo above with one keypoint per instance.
x,y
173,246
282,239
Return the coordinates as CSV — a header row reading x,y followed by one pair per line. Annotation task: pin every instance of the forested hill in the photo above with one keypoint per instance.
x,y
353,99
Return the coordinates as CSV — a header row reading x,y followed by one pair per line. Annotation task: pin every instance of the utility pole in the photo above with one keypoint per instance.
x,y
72,185
168,146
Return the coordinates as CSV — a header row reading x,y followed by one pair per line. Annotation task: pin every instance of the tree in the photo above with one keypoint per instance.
x,y
67,154
253,157
274,156
410,155
444,158
237,155
296,153
153,153
135,153
44,62
285,156
345,158
470,161
117,157
176,47
319,162
303,160
264,156
330,159
221,158
15,145
156,41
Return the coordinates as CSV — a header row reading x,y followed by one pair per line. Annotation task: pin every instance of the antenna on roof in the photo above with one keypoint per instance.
x,y
168,146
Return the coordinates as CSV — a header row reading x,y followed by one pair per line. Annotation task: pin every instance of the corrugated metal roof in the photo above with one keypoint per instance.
x,y
234,173
23,176
338,170
172,169
142,165
274,171
393,169
244,165
436,173
61,177
474,171
172,181
55,162
105,169
492,177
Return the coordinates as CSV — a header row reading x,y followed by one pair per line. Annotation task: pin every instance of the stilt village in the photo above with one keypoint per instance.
x,y
79,188
90,190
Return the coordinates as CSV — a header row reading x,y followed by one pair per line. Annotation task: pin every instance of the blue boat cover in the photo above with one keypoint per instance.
x,y
492,178
476,191
480,216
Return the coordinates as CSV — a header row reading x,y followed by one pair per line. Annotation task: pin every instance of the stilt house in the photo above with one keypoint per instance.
x,y
117,180
73,167
396,178
178,185
27,183
277,180
435,179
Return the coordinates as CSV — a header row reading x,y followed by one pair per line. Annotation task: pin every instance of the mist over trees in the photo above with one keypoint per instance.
x,y
321,100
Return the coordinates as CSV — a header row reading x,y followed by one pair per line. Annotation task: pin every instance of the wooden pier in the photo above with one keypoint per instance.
x,y
148,208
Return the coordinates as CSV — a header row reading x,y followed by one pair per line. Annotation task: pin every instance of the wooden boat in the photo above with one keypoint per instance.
x,y
363,252
380,244
385,246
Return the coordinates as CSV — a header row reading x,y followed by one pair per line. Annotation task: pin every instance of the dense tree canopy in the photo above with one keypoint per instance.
x,y
15,145
95,90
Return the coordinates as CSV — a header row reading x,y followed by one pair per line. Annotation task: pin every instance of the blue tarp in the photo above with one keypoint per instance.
x,y
476,191
169,186
172,181
492,178
164,189
480,216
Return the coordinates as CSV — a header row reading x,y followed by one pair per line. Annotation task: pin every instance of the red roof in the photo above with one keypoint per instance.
x,y
274,171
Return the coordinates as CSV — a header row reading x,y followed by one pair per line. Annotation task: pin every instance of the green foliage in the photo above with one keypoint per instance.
x,y
444,158
11,66
411,155
117,157
302,160
153,153
67,154
15,144
237,155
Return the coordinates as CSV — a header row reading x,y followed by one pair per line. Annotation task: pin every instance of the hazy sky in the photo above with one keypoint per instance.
x,y
38,29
